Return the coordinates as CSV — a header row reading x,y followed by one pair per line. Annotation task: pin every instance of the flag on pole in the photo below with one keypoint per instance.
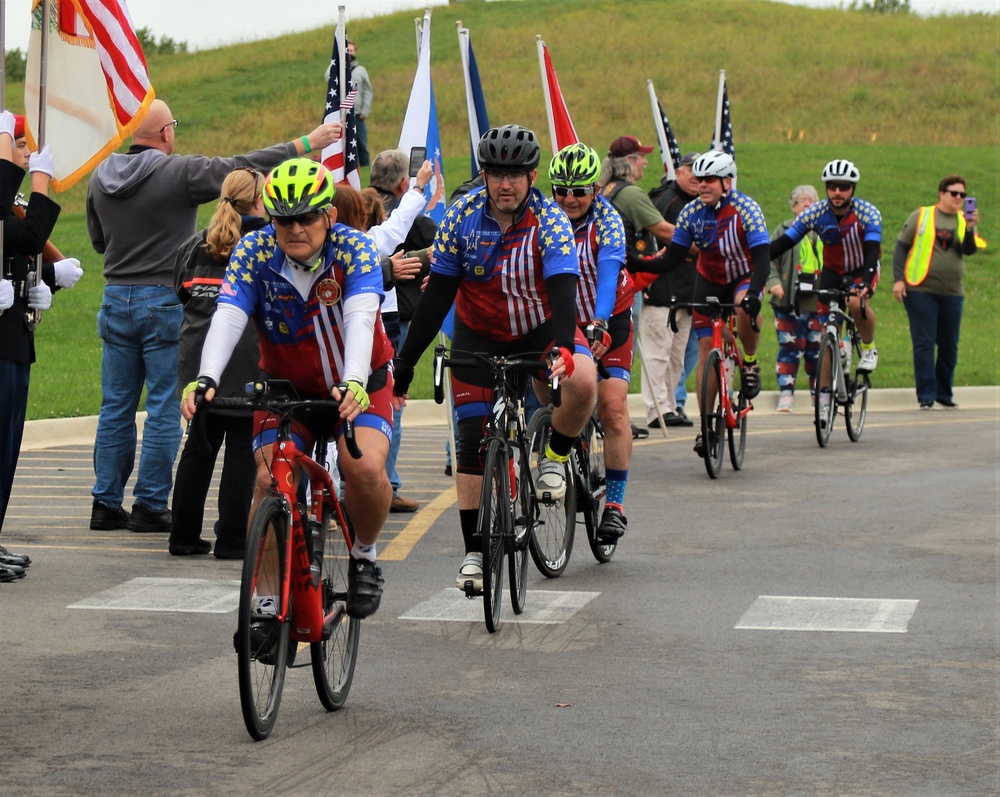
x,y
723,138
670,153
420,125
97,88
561,130
479,123
341,157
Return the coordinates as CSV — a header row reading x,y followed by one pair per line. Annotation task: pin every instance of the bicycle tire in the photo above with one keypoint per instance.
x,y
517,561
856,412
828,360
713,422
594,487
737,436
262,645
335,656
551,540
494,507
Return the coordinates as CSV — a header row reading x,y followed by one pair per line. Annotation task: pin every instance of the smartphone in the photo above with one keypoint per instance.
x,y
417,157
970,205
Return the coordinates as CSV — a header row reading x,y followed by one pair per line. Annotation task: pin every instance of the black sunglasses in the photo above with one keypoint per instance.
x,y
303,219
561,190
959,194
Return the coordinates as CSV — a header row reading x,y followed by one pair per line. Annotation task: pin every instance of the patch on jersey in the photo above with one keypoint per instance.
x,y
328,292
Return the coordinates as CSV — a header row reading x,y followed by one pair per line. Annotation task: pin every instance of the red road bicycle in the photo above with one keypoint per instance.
x,y
294,583
723,412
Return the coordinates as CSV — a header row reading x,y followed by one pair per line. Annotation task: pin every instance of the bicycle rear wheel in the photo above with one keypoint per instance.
x,y
827,367
551,540
262,643
334,656
494,508
856,411
593,476
713,424
738,437
524,521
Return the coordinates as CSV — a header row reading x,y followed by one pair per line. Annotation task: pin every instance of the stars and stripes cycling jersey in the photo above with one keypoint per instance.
x,y
301,338
605,287
723,234
843,239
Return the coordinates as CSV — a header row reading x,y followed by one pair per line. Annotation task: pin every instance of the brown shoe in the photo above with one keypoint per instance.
x,y
400,504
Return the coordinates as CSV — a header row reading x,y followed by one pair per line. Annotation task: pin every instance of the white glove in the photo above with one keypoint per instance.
x,y
68,271
7,123
39,297
6,294
41,161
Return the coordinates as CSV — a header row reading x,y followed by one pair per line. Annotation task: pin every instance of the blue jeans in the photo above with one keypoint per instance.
x,y
396,329
934,321
140,326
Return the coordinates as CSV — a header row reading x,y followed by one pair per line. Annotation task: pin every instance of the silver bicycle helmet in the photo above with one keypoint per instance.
x,y
714,164
841,171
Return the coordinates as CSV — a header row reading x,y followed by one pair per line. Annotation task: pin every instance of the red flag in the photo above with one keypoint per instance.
x,y
561,128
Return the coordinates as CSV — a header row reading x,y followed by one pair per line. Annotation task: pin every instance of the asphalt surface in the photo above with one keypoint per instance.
x,y
664,672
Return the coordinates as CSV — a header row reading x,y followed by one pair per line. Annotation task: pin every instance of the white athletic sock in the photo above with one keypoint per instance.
x,y
359,551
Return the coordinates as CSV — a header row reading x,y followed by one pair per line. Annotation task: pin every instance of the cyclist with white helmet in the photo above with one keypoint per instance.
x,y
729,231
503,255
851,231
604,312
313,289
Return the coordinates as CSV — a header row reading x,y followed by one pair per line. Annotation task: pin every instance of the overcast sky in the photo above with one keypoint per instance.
x,y
211,23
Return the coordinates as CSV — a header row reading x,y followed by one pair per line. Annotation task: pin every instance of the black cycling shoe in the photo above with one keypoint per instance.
x,y
750,378
364,588
263,643
699,446
613,526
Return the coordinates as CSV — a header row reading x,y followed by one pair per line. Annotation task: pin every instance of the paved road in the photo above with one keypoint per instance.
x,y
665,674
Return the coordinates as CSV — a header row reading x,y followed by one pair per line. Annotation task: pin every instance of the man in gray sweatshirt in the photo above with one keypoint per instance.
x,y
141,206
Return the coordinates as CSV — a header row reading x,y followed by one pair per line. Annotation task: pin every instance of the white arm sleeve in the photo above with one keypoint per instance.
x,y
391,232
360,312
228,323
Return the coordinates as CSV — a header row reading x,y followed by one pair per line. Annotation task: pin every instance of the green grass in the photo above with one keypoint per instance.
x,y
894,94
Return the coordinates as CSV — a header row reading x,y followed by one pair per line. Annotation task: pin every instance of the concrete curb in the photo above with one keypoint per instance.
x,y
55,432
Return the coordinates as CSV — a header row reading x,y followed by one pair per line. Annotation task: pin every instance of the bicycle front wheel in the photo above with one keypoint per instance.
x,y
335,655
827,369
713,422
524,522
595,482
856,411
551,540
262,643
494,508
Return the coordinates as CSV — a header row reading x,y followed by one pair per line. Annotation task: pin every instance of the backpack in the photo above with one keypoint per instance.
x,y
637,242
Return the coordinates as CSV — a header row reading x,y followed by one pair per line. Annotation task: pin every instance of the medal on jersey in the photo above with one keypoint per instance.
x,y
328,292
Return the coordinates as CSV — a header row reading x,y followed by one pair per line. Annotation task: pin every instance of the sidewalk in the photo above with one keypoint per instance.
x,y
80,431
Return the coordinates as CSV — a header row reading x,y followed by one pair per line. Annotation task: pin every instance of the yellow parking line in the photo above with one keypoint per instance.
x,y
401,545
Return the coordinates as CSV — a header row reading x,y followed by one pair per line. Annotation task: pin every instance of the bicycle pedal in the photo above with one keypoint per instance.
x,y
470,591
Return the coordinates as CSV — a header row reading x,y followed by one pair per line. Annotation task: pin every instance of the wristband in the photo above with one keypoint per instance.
x,y
305,143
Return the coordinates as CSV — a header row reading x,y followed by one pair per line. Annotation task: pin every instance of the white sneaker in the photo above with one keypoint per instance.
x,y
869,360
550,480
267,604
785,401
470,574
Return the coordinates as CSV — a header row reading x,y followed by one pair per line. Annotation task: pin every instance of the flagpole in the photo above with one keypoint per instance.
x,y
32,317
341,36
545,88
418,23
661,133
718,110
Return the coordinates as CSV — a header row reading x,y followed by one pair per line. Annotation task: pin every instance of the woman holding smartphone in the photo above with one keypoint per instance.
x,y
928,267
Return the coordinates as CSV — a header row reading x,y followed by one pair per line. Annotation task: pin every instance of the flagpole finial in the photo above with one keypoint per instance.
x,y
458,24
538,37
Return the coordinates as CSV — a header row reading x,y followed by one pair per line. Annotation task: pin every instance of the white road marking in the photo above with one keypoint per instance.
x,y
542,606
167,595
784,613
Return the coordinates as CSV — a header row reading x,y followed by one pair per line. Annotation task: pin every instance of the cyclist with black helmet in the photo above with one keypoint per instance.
x,y
604,312
851,231
313,289
504,256
732,239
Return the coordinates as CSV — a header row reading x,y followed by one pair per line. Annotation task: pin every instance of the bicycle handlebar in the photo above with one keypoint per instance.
x,y
715,309
840,295
499,364
275,396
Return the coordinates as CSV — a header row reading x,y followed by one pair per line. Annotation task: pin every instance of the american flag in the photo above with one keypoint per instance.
x,y
341,157
674,149
726,127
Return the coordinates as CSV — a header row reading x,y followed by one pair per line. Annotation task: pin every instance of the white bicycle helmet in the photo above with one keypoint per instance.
x,y
714,164
841,171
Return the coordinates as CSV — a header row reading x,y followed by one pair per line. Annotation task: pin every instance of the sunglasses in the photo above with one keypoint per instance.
x,y
958,194
303,219
579,193
514,178
842,187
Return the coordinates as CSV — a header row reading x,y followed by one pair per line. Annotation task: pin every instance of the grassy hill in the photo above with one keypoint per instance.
x,y
908,99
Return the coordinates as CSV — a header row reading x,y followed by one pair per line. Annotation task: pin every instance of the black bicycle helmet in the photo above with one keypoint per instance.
x,y
510,148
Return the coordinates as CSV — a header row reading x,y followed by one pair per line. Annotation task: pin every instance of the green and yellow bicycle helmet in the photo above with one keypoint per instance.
x,y
298,186
575,166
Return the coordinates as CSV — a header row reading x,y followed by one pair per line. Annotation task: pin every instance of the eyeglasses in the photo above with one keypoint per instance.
x,y
303,219
171,123
514,178
957,194
842,187
561,190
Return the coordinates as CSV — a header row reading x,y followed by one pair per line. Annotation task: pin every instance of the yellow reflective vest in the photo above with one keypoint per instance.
x,y
918,262
810,255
